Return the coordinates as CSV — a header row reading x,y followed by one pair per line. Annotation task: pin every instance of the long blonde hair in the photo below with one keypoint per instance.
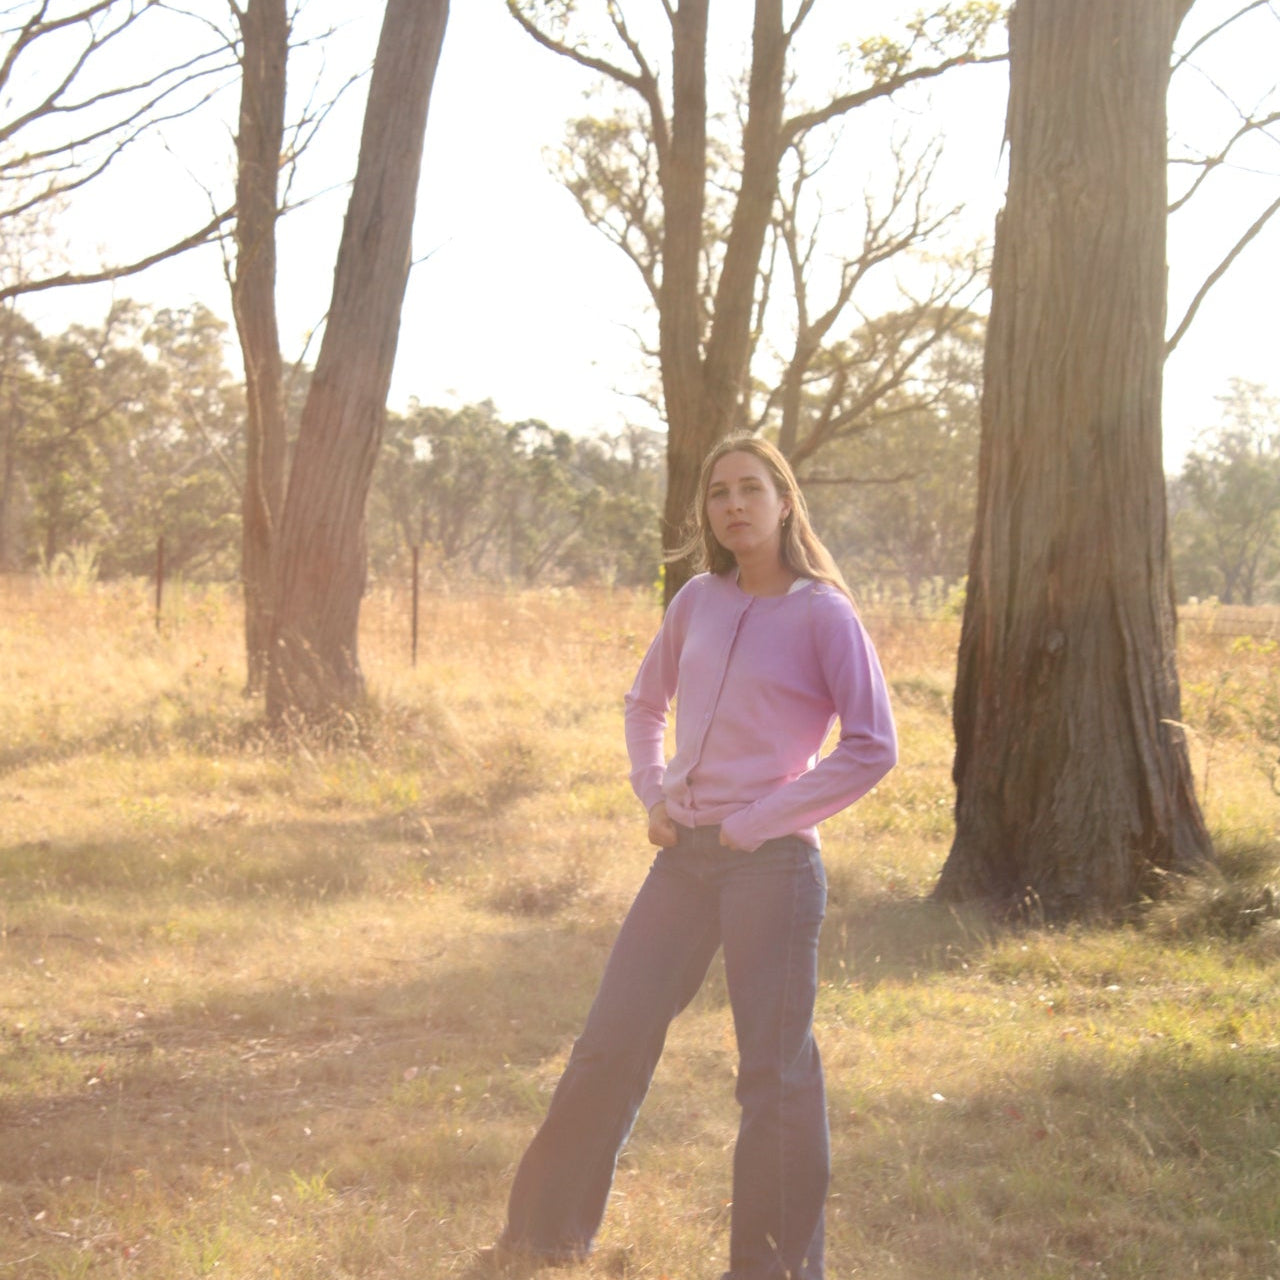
x,y
801,548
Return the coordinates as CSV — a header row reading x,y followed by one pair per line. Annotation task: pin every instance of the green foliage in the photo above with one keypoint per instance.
x,y
1226,503
518,503
901,519
119,434
952,31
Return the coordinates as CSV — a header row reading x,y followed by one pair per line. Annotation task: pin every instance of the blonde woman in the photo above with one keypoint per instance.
x,y
762,653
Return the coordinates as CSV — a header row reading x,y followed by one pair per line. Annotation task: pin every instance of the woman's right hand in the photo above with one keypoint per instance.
x,y
662,831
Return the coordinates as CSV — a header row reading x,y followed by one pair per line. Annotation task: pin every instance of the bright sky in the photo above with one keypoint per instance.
x,y
518,301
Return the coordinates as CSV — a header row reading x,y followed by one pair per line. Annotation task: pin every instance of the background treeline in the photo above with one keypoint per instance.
x,y
114,436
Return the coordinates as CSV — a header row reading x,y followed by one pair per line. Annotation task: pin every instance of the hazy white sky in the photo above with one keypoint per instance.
x,y
518,301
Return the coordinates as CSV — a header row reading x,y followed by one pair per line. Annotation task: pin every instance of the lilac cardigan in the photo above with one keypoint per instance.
x,y
758,682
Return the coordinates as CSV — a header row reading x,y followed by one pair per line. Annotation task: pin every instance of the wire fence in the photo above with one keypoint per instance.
x,y
1260,622
416,591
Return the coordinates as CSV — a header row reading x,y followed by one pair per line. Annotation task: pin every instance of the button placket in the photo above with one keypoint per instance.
x,y
730,642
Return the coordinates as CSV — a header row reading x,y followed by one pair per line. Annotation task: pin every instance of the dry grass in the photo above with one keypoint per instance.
x,y
295,1014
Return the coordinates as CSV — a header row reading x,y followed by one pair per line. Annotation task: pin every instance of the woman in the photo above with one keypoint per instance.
x,y
762,653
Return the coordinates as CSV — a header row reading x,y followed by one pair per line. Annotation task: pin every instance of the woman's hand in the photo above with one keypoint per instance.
x,y
728,844
662,831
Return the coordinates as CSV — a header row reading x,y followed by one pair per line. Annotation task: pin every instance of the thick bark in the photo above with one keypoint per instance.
x,y
264,27
314,670
1074,789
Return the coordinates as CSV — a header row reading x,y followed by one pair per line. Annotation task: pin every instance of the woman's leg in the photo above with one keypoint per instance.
x,y
657,965
772,904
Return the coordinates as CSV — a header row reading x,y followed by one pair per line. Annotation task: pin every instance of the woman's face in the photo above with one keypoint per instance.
x,y
744,508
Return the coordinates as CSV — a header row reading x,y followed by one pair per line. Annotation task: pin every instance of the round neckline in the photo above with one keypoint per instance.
x,y
794,589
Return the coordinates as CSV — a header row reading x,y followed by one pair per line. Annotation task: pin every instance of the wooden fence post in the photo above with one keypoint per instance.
x,y
159,577
414,625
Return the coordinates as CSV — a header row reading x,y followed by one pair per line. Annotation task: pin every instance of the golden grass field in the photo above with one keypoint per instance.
x,y
295,1013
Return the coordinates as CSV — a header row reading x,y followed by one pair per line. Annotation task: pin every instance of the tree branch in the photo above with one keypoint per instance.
x,y
1183,7
1209,163
197,238
803,123
574,54
1217,273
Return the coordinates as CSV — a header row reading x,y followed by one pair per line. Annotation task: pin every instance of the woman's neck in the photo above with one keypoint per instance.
x,y
766,577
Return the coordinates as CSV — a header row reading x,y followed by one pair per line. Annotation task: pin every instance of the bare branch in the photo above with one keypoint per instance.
x,y
633,48
798,21
801,124
575,54
37,27
644,82
196,238
52,103
1209,164
1217,273
1185,6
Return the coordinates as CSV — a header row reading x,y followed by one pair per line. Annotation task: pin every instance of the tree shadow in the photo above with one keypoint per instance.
x,y
1106,1168
875,937
283,1078
301,860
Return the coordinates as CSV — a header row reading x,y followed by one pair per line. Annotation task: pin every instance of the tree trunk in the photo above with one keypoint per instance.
x,y
10,429
314,670
702,395
8,484
683,175
1074,788
264,28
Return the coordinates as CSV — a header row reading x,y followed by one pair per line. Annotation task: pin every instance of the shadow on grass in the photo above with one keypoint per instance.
x,y
289,1077
154,728
1163,1164
300,860
874,938
437,1081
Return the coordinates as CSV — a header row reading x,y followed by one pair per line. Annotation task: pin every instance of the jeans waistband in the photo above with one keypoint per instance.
x,y
699,837
707,840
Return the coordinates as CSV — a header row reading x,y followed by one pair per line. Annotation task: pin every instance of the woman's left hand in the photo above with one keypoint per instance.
x,y
728,844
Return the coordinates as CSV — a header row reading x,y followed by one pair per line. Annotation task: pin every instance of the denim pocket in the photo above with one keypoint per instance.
x,y
786,854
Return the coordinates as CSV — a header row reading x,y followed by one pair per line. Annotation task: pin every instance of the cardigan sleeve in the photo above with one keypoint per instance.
x,y
868,745
649,700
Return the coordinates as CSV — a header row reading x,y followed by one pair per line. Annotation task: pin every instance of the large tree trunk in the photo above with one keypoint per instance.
x,y
314,670
1074,789
264,29
702,395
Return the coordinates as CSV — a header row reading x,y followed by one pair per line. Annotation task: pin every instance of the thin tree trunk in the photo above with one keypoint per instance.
x,y
729,344
314,669
703,395
8,484
684,181
264,27
1074,788
10,428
